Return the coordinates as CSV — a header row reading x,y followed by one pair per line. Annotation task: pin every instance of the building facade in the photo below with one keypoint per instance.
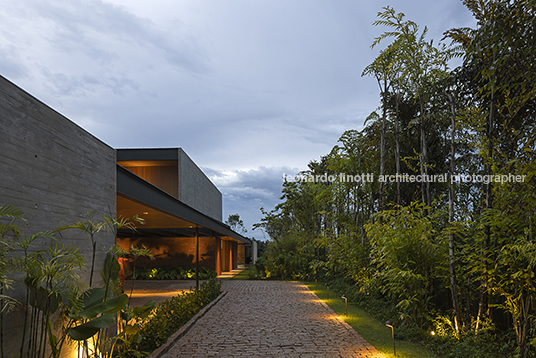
x,y
57,173
187,232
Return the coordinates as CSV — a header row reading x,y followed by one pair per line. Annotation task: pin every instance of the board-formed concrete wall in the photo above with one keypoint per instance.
x,y
196,190
56,172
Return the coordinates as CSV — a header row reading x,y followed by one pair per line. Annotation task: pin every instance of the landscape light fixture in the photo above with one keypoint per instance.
x,y
345,302
327,288
390,324
316,284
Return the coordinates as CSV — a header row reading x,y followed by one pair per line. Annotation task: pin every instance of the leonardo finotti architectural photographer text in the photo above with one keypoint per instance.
x,y
406,178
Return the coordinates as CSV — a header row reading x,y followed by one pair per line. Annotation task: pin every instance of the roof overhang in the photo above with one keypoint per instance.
x,y
164,214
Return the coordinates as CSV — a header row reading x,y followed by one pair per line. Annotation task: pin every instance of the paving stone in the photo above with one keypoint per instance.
x,y
271,319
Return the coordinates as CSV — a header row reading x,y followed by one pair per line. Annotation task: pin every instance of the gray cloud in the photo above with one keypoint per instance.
x,y
247,191
247,88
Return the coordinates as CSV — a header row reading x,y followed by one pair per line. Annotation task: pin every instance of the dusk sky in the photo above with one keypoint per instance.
x,y
250,89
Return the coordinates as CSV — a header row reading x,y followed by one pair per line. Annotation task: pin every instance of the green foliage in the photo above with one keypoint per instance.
x,y
168,317
173,273
468,272
57,311
285,259
236,224
408,257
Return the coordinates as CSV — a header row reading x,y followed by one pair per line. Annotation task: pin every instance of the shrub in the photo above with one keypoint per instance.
x,y
490,343
168,317
173,273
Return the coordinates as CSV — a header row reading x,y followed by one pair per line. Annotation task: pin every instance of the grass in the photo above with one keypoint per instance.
x,y
375,332
244,275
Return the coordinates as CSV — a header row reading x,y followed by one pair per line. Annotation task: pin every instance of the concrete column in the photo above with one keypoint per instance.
x,y
235,254
231,257
241,254
217,255
197,257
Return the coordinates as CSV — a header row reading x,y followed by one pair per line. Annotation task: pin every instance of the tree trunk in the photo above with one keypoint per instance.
x,y
424,162
483,300
382,144
397,150
452,261
524,330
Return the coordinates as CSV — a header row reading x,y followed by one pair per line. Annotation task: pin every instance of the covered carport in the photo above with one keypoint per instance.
x,y
176,234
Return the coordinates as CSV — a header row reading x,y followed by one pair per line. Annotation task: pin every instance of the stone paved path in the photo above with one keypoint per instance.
x,y
271,319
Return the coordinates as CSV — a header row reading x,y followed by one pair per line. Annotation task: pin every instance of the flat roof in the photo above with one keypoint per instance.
x,y
165,215
128,154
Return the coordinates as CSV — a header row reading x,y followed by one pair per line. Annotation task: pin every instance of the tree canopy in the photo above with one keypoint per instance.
x,y
445,229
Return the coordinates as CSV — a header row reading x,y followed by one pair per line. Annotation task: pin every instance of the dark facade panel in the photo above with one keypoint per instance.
x,y
133,187
148,154
172,170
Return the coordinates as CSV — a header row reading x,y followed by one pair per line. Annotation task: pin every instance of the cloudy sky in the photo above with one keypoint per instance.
x,y
250,89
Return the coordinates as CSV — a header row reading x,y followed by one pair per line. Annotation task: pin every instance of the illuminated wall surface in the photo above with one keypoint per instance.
x,y
56,172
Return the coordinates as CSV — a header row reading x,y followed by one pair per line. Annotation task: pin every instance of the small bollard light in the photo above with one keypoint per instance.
x,y
307,277
345,302
327,288
316,284
390,324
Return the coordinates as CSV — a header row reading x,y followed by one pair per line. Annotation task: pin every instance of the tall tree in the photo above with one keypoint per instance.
x,y
423,65
236,224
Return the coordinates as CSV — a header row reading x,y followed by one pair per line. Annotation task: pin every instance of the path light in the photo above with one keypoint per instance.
x,y
345,302
327,287
316,284
390,324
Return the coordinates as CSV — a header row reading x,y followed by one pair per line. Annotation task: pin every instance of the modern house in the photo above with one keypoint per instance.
x,y
56,172
181,209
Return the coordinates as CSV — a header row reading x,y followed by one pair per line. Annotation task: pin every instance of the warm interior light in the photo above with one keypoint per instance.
x,y
145,213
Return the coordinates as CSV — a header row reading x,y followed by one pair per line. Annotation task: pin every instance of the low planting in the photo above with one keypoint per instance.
x,y
173,273
371,328
59,310
411,340
167,318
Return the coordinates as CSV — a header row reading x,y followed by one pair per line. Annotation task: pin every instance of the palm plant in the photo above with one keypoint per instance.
x,y
8,215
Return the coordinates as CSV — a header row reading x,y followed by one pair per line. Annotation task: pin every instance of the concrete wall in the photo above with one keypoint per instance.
x,y
196,190
56,172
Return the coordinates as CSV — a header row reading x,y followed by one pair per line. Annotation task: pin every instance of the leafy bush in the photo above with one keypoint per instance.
x,y
490,343
173,273
286,258
168,317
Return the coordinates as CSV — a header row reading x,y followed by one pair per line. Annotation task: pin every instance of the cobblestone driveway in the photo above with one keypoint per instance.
x,y
271,319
